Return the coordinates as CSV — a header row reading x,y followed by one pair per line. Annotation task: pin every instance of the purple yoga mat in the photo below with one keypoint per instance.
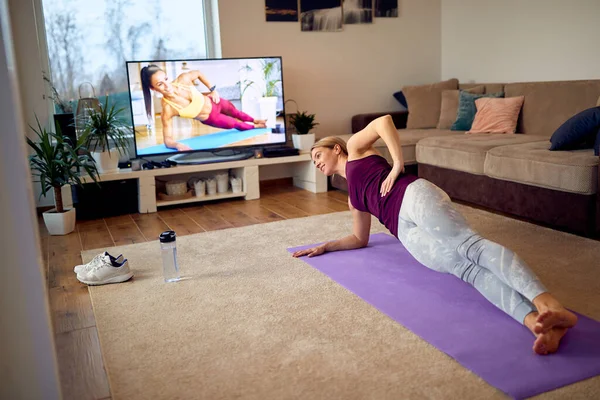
x,y
478,335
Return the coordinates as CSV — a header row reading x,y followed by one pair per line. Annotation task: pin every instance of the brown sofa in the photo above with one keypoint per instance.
x,y
512,173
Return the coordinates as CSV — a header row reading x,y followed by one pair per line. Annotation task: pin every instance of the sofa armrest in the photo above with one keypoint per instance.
x,y
360,121
597,232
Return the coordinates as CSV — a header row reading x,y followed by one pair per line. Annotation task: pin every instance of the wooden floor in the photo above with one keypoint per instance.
x,y
81,367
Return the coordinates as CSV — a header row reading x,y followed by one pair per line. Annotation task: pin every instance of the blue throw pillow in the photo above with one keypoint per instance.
x,y
401,99
467,109
597,144
578,132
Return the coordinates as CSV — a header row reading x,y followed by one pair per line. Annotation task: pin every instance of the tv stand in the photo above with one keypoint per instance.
x,y
206,157
300,167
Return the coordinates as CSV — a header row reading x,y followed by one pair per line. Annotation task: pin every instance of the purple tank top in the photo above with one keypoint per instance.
x,y
364,177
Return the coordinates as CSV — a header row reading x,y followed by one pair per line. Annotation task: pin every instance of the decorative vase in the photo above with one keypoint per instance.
x,y
303,142
268,110
60,223
106,162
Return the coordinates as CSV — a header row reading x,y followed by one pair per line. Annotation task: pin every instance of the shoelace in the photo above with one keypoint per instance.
x,y
103,261
97,259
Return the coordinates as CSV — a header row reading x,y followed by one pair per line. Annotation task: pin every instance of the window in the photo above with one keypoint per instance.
x,y
89,41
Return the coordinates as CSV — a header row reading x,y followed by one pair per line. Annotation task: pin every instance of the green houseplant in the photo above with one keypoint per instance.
x,y
105,130
303,123
55,163
266,82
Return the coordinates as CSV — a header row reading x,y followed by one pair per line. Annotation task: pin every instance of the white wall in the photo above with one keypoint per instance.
x,y
518,40
338,74
28,368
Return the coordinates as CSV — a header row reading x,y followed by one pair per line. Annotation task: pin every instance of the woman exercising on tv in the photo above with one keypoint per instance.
x,y
181,98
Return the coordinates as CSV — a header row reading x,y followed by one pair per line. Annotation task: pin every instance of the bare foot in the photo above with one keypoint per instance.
x,y
260,123
554,318
547,343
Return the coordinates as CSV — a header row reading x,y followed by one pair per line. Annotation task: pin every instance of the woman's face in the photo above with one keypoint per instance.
x,y
325,160
160,82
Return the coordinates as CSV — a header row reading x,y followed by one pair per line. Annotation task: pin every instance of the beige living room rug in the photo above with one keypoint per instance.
x,y
251,322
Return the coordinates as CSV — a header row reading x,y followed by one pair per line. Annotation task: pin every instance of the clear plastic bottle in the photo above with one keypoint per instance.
x,y
168,250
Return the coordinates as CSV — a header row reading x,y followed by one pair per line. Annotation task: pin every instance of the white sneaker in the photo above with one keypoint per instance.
x,y
97,259
106,271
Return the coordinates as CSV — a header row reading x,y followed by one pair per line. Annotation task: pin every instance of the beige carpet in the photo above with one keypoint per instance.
x,y
251,322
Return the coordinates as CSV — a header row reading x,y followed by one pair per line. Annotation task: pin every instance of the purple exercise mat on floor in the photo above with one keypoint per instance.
x,y
478,335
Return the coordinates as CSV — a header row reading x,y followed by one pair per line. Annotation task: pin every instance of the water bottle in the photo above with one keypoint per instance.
x,y
168,249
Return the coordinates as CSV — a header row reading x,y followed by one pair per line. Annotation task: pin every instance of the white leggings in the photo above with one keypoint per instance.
x,y
439,237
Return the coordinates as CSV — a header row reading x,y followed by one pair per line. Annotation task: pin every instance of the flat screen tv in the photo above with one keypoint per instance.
x,y
223,106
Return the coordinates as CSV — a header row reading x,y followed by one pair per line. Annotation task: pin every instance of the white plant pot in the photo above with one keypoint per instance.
x,y
106,162
60,223
268,110
303,142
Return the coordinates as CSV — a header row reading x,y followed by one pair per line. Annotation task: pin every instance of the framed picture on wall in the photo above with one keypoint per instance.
x,y
281,10
357,11
321,15
386,8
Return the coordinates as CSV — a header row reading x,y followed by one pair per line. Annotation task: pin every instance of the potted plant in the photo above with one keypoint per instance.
x,y
268,88
303,122
55,162
63,113
106,131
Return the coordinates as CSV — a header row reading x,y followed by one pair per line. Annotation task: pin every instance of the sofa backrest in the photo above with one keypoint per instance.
x,y
548,104
489,87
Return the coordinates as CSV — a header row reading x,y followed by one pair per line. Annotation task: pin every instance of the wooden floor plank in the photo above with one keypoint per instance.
x,y
282,208
180,222
126,233
151,226
207,219
64,253
118,220
80,365
310,207
256,210
231,214
338,195
325,201
71,308
95,237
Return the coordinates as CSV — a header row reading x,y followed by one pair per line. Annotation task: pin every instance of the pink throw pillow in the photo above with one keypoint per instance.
x,y
497,115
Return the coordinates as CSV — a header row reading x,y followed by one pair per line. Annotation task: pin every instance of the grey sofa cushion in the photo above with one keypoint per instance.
x,y
573,171
408,141
466,152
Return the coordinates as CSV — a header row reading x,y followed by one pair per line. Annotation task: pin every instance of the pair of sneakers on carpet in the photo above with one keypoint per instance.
x,y
103,269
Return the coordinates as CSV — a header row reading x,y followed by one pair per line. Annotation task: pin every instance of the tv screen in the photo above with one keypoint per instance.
x,y
206,105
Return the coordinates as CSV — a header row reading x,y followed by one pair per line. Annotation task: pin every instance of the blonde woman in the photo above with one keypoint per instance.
x,y
422,217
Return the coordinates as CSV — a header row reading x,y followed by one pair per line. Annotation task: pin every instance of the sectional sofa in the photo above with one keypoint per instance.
x,y
515,173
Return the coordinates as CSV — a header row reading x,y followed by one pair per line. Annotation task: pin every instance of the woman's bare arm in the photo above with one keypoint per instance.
x,y
384,128
361,229
195,74
167,131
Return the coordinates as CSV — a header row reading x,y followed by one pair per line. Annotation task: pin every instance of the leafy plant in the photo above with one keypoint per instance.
x,y
56,163
64,107
303,122
269,69
103,126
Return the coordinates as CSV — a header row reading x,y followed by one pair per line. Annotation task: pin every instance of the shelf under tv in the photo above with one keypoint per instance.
x,y
219,196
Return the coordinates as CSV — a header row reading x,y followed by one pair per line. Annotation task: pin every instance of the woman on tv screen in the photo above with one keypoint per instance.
x,y
181,98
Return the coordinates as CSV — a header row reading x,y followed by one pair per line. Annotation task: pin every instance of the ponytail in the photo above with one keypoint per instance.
x,y
145,75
